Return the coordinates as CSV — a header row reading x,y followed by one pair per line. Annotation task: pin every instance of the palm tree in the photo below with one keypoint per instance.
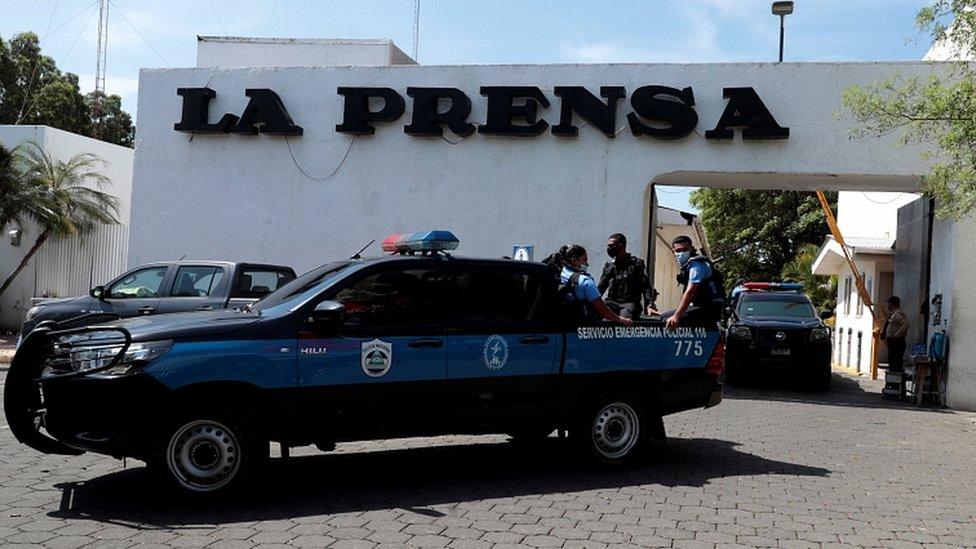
x,y
63,198
821,289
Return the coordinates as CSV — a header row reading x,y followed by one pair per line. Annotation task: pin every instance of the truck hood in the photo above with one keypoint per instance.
x,y
185,325
784,323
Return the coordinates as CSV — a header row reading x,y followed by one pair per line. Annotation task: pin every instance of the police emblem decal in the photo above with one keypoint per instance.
x,y
377,357
495,352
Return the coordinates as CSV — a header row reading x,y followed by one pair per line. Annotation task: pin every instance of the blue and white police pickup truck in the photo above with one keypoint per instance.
x,y
415,343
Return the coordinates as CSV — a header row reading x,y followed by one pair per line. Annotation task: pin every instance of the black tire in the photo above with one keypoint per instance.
x,y
614,430
208,453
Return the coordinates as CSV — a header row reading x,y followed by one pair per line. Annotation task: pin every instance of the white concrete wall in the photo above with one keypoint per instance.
x,y
953,264
870,214
30,282
492,191
238,52
855,322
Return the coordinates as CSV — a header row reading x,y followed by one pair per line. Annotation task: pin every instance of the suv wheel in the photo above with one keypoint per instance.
x,y
614,431
208,454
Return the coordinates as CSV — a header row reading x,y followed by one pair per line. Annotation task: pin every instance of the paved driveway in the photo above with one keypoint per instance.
x,y
768,467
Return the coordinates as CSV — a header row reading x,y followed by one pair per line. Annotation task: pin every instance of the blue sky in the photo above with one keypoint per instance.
x,y
145,33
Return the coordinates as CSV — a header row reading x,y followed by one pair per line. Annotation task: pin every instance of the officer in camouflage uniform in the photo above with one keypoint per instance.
x,y
625,281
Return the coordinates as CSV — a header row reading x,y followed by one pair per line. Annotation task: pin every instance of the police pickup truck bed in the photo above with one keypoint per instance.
x,y
166,287
403,345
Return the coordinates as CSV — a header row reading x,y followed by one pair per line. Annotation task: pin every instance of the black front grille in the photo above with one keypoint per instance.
x,y
788,337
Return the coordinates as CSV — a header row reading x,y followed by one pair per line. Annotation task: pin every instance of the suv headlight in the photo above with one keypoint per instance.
x,y
741,332
84,358
820,333
32,312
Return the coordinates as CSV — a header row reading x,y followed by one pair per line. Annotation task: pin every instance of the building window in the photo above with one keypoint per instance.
x,y
847,296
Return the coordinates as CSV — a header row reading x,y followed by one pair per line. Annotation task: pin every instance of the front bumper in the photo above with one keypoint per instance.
x,y
752,354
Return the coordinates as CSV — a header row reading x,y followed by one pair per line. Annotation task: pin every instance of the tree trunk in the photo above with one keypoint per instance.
x,y
23,262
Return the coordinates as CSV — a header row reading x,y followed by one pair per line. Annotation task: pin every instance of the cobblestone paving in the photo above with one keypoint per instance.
x,y
768,467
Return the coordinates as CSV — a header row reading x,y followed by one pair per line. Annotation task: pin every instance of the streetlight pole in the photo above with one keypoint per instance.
x,y
782,9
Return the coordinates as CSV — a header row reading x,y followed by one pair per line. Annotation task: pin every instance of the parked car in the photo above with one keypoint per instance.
x,y
402,345
166,287
775,329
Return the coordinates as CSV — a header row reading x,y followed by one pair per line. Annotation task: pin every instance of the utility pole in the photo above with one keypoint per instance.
x,y
97,108
416,28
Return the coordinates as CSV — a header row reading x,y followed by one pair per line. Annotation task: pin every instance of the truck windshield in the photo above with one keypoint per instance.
x,y
766,307
293,290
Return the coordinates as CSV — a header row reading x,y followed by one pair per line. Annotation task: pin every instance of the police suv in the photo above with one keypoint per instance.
x,y
415,343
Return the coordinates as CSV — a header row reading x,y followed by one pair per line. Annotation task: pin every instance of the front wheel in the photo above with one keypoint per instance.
x,y
614,431
208,454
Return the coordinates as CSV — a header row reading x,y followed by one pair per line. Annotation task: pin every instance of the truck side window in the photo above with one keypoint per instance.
x,y
396,297
256,282
493,295
141,283
197,281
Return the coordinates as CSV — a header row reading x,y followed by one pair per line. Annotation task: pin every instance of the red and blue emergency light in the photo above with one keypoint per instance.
x,y
773,286
428,241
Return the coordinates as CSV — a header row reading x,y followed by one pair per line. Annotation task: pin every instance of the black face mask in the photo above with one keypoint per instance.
x,y
612,251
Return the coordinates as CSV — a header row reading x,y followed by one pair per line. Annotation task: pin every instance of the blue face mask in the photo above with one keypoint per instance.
x,y
682,257
584,267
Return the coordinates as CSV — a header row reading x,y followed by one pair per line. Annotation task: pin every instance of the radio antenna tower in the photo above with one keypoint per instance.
x,y
97,108
416,28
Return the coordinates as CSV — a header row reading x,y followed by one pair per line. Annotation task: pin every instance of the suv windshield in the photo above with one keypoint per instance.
x,y
759,305
294,289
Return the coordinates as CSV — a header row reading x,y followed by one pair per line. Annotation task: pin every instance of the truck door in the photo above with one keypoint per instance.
x,y
503,350
195,288
385,369
135,293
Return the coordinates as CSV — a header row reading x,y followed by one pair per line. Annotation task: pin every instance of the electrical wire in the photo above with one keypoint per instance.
x,y
882,203
148,43
312,177
40,48
222,25
85,27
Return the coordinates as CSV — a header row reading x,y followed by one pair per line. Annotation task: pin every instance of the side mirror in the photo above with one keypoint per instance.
x,y
825,314
328,314
98,292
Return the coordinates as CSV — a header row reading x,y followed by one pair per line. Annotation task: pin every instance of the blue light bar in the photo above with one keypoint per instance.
x,y
427,241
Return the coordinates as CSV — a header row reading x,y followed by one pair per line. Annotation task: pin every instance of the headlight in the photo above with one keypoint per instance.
x,y
741,332
32,312
84,358
820,333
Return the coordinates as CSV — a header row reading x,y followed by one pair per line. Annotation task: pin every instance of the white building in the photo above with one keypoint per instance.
x,y
303,164
869,225
71,266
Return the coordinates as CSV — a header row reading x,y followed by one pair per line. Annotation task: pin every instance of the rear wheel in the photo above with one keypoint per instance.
x,y
208,453
614,431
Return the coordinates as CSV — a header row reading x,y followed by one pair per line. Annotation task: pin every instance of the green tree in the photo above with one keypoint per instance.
x,y
822,290
938,112
34,91
66,197
754,234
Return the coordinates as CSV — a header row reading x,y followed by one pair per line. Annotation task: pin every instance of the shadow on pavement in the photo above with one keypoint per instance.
x,y
844,391
408,479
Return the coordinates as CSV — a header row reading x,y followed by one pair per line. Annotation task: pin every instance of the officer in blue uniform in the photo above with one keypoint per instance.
x,y
583,287
703,298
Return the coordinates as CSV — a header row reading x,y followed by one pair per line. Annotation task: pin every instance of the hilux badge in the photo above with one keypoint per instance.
x,y
377,357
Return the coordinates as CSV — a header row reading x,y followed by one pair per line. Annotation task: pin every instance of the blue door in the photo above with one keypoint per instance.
x,y
387,366
503,350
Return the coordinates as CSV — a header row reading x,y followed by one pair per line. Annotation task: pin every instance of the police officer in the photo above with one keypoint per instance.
x,y
703,297
584,290
625,282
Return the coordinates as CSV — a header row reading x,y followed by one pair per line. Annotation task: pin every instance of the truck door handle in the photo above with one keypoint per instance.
x,y
533,340
146,310
205,308
426,342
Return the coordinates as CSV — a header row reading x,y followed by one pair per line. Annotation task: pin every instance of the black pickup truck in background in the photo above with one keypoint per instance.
x,y
166,287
